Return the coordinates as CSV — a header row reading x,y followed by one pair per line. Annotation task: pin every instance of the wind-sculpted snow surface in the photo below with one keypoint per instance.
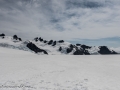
x,y
41,46
22,70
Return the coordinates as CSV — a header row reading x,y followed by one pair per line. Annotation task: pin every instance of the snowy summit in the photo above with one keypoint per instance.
x,y
52,47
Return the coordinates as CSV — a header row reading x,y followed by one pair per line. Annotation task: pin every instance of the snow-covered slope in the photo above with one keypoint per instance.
x,y
10,42
41,46
22,70
52,50
116,49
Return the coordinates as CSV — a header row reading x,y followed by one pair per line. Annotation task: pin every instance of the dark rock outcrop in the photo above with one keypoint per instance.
x,y
2,35
34,48
15,37
105,50
45,41
40,39
86,52
54,43
85,47
78,52
50,42
36,39
78,44
60,49
20,39
71,46
61,41
69,50
81,52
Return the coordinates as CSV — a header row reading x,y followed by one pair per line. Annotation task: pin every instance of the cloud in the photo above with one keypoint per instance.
x,y
84,4
60,19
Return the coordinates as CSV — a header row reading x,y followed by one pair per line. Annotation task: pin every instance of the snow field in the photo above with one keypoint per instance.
x,y
22,70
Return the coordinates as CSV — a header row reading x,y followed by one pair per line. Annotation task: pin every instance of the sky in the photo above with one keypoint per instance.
x,y
91,22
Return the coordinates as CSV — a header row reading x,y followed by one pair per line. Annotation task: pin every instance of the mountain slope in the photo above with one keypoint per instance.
x,y
12,42
41,46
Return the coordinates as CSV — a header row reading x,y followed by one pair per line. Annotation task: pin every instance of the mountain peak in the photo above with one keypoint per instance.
x,y
52,47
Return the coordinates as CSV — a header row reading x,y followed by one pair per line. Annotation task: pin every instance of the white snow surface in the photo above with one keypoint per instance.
x,y
22,70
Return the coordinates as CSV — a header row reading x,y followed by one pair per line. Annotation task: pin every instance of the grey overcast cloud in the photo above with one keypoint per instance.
x,y
92,22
